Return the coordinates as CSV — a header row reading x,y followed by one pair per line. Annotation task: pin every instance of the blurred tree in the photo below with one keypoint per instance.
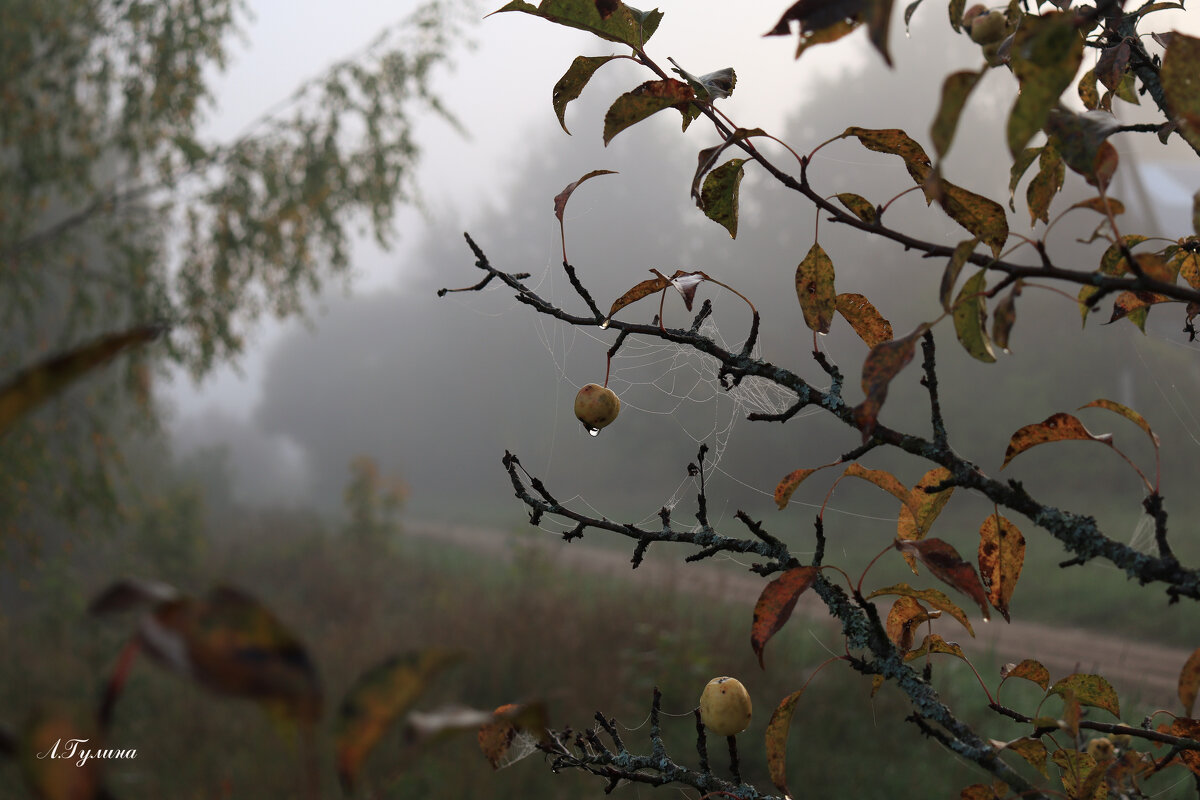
x,y
373,502
115,212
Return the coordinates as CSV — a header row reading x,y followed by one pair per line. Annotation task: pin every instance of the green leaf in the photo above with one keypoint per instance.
x,y
1020,165
909,10
955,90
1047,183
1088,93
719,197
969,314
956,10
571,84
1090,690
879,22
647,99
1180,77
625,25
36,384
1046,53
814,288
962,251
859,206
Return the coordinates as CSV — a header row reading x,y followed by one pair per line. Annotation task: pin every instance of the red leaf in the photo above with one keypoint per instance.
x,y
945,563
775,605
1058,427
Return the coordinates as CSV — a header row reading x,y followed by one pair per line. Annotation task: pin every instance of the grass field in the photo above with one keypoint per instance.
x,y
533,630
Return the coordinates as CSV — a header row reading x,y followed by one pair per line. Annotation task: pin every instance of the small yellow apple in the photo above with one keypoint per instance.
x,y
1101,749
988,28
596,406
725,706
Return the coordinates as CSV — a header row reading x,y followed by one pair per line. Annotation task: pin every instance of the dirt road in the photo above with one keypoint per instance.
x,y
1138,670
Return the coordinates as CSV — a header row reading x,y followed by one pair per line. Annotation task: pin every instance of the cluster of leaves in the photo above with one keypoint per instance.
x,y
231,644
1044,51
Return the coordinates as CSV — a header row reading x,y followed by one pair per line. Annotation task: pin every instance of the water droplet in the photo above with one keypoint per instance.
x,y
822,333
604,325
593,431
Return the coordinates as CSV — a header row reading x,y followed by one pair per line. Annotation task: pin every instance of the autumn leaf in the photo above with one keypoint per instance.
x,y
1185,729
859,206
962,251
643,289
1189,682
898,143
571,84
814,288
625,25
647,99
34,385
936,644
1046,183
775,605
1029,670
940,558
1181,85
719,196
881,365
1045,56
931,597
866,321
1079,775
981,216
1005,316
879,20
1032,750
1102,205
1089,690
970,311
785,488
903,619
829,34
377,699
917,516
1088,94
955,90
1126,412
710,86
778,728
496,737
560,202
1060,427
884,480
1021,165
1001,556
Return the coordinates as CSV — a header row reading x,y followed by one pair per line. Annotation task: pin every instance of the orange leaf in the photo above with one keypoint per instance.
x,y
913,527
946,564
884,480
931,597
867,322
1126,412
1032,750
882,364
1090,690
1188,729
1029,670
1001,556
776,740
646,287
775,605
496,737
1058,427
785,488
1189,682
902,621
